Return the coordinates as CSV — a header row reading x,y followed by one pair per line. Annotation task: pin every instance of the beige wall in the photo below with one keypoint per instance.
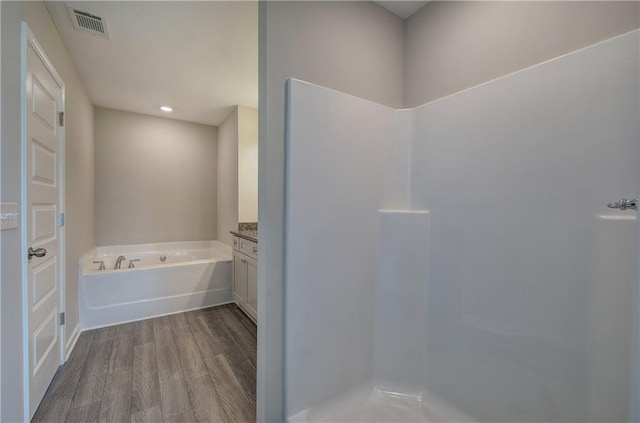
x,y
237,171
228,177
79,184
355,47
247,164
454,45
155,179
80,194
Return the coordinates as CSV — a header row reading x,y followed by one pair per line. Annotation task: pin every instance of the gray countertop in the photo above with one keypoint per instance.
x,y
250,235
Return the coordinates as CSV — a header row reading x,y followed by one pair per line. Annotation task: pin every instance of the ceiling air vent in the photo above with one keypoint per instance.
x,y
88,22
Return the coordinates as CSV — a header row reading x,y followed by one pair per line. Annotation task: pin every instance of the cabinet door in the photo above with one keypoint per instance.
x,y
252,288
239,278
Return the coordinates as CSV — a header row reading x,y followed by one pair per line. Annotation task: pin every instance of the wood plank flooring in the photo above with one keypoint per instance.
x,y
198,366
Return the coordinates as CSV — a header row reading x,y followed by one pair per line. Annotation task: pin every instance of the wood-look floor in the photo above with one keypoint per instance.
x,y
198,366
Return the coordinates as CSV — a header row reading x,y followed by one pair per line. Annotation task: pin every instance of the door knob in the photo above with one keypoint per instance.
x,y
38,252
624,204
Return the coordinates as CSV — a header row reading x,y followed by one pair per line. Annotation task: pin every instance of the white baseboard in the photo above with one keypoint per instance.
x,y
72,342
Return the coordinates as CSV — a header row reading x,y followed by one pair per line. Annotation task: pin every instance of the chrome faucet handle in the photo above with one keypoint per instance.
x,y
131,265
624,204
102,267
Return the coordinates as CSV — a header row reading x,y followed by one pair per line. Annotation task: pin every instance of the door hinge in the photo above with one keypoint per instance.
x,y
61,118
62,318
61,220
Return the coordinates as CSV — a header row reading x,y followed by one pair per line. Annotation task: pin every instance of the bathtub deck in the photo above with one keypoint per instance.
x,y
193,366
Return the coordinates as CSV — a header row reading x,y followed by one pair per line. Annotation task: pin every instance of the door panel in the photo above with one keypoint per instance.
x,y
44,164
44,224
44,100
44,339
44,103
44,282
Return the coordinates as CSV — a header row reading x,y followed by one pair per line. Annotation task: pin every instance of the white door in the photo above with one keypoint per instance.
x,y
42,189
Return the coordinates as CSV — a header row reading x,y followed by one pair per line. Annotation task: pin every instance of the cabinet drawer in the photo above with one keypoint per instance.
x,y
249,248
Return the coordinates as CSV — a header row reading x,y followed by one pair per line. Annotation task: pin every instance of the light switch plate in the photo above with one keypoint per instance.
x,y
8,216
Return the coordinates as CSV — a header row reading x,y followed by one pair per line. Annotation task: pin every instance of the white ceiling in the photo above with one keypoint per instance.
x,y
404,9
201,58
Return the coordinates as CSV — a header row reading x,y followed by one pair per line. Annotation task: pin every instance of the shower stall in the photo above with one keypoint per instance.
x,y
458,261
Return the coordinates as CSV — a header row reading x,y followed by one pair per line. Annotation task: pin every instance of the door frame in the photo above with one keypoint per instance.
x,y
28,38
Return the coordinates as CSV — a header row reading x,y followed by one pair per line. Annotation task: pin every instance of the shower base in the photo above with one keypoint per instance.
x,y
374,405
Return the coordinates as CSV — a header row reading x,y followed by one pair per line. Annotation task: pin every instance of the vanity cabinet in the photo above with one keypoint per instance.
x,y
245,276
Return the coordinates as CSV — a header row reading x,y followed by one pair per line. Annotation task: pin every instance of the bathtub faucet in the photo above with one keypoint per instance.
x,y
119,262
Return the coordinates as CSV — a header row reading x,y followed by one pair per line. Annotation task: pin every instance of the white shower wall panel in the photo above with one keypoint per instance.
x,y
517,174
529,282
340,171
401,302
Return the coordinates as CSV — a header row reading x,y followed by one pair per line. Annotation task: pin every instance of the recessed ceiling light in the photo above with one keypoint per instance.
x,y
166,109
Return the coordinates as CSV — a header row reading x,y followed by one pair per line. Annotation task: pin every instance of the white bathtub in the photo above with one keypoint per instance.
x,y
193,275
